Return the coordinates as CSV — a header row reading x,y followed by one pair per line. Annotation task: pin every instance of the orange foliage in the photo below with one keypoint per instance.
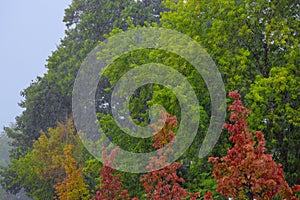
x,y
73,186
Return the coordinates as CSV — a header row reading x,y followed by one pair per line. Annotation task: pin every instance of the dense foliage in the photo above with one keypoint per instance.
x,y
246,172
255,45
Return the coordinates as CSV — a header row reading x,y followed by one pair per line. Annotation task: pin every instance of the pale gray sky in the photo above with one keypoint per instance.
x,y
29,31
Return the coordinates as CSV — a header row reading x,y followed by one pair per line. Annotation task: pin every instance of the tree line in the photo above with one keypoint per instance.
x,y
255,45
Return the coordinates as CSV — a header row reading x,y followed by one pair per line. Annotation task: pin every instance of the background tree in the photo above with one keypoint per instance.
x,y
255,45
48,99
274,102
4,161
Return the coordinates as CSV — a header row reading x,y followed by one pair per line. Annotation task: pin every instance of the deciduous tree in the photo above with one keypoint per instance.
x,y
73,186
110,187
164,184
247,172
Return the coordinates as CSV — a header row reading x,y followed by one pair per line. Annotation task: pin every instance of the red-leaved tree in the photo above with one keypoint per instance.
x,y
110,187
164,184
247,172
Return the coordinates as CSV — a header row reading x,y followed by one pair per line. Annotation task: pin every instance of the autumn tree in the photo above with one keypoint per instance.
x,y
110,185
247,172
73,185
164,184
41,168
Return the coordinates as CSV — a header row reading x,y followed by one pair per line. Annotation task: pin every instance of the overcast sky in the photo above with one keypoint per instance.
x,y
29,31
